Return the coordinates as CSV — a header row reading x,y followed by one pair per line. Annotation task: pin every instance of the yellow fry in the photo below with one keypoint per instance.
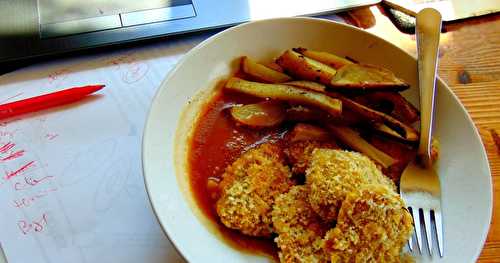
x,y
356,142
305,68
262,72
324,57
285,93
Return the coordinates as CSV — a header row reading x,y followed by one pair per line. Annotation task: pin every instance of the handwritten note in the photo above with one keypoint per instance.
x,y
71,187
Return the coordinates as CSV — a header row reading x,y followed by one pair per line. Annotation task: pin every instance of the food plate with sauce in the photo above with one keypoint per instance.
x,y
170,172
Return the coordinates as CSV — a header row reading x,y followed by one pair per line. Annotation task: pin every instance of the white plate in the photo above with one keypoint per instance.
x,y
463,166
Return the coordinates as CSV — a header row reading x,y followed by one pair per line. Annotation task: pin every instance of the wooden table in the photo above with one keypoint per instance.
x,y
470,65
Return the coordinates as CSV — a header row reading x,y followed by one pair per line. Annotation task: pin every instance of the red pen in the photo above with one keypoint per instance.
x,y
46,101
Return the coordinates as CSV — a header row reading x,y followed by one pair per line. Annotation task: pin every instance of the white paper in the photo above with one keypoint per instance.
x,y
71,186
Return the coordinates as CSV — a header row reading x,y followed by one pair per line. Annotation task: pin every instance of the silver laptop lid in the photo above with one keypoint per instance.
x,y
34,28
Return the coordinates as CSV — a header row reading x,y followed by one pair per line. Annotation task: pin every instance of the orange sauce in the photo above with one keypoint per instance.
x,y
216,142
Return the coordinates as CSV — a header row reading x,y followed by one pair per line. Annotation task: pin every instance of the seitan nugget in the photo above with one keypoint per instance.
x,y
300,230
249,188
332,174
372,226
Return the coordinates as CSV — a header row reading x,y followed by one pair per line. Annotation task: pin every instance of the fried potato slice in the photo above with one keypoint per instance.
x,y
384,123
402,152
382,128
324,57
274,65
285,93
391,103
300,113
353,140
303,67
306,84
262,114
366,77
391,126
262,72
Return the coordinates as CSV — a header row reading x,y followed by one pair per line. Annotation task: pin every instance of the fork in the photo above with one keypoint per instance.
x,y
419,185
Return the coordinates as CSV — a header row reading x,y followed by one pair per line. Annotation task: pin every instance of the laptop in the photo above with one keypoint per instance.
x,y
31,28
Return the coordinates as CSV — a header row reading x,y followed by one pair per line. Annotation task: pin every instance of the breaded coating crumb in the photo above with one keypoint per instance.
x,y
334,173
407,258
372,226
249,187
299,153
300,230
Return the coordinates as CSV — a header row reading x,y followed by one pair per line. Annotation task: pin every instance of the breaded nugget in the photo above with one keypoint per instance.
x,y
300,230
249,187
299,153
334,173
372,226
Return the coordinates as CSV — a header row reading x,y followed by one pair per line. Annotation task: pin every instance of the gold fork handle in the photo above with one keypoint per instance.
x,y
428,29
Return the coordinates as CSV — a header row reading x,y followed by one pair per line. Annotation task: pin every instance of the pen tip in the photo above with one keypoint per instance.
x,y
98,87
92,88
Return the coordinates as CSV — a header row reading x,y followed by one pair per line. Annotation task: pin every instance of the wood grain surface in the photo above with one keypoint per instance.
x,y
470,65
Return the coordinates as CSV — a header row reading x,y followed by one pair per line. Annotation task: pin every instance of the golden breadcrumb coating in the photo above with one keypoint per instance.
x,y
372,226
249,187
299,153
300,230
407,258
332,174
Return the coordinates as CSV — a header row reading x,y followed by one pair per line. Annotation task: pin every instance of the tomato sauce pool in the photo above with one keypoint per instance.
x,y
217,141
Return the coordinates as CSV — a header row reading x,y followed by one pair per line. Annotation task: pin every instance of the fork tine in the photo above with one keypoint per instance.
x,y
439,231
428,227
410,241
418,231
